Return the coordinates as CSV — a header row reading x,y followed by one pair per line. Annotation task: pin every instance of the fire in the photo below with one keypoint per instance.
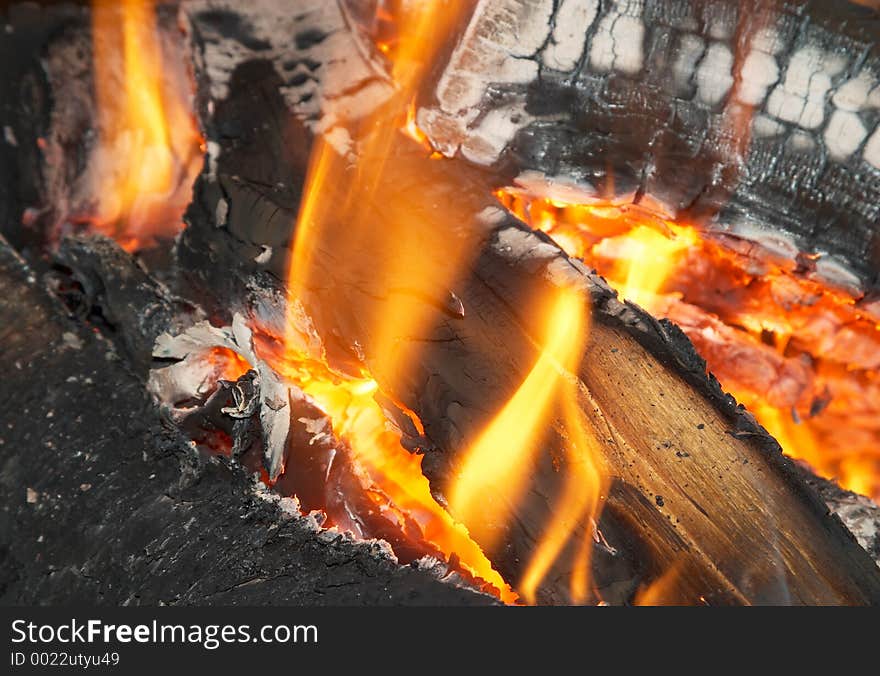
x,y
396,473
495,470
411,129
149,148
645,258
384,247
228,365
343,221
800,355
661,591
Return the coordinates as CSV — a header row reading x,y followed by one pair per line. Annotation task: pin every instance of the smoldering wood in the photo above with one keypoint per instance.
x,y
107,505
757,119
697,483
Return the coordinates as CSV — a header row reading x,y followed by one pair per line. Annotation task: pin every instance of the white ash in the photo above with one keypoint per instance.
x,y
715,75
573,20
618,42
264,256
194,375
844,134
800,98
494,48
765,127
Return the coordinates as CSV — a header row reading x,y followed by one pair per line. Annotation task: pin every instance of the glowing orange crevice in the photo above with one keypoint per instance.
x,y
798,353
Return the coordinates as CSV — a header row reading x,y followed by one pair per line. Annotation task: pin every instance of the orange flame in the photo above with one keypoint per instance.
x,y
644,260
799,354
661,591
149,147
345,224
494,472
358,418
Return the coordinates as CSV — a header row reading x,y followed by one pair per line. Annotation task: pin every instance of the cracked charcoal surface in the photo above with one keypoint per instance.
x,y
753,117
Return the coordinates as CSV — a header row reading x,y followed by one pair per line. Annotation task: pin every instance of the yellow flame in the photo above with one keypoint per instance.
x,y
770,336
355,210
345,221
376,450
403,250
646,258
149,144
661,591
412,130
578,507
495,470
498,464
860,472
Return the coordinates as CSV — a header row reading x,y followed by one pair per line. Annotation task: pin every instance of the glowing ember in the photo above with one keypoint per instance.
x,y
800,355
148,154
227,364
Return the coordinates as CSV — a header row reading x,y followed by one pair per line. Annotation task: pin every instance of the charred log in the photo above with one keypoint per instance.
x,y
107,505
758,119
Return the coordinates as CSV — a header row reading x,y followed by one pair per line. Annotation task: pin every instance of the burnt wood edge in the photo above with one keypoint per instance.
x,y
669,344
109,505
587,121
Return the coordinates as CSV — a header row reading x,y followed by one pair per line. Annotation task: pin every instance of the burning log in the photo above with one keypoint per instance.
x,y
417,265
744,161
730,97
697,486
111,507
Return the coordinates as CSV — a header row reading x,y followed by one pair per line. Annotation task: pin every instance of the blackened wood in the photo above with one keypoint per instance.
x,y
757,118
26,108
103,505
104,285
697,483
